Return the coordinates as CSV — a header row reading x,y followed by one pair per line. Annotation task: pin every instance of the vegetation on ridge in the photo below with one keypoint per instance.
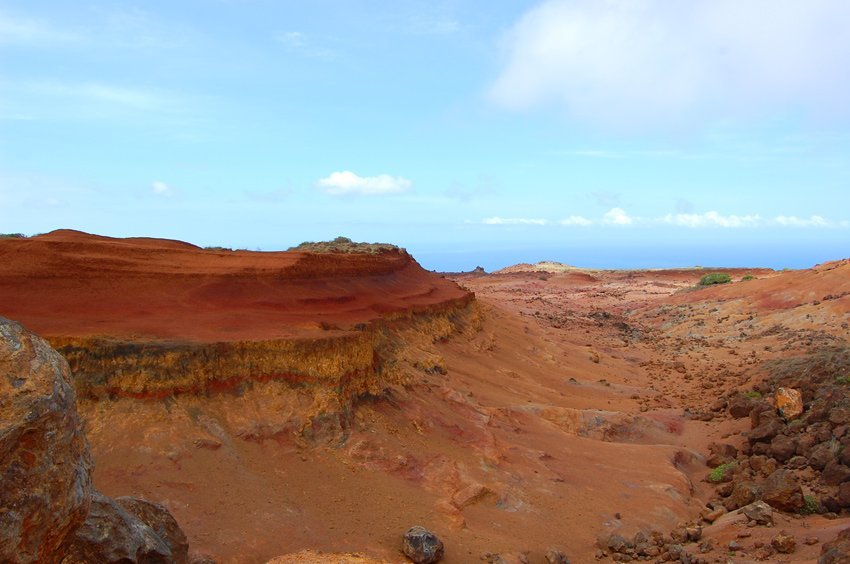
x,y
343,245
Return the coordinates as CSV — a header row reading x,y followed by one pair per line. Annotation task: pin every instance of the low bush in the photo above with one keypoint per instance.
x,y
715,278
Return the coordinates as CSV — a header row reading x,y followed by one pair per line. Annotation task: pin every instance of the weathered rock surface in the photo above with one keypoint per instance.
x,y
111,534
158,518
422,546
782,491
44,457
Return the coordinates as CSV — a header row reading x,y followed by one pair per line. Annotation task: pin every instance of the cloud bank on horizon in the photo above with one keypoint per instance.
x,y
650,62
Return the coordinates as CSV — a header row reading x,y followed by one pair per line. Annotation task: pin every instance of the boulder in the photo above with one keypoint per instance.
x,y
789,403
110,534
836,551
835,473
422,546
158,518
744,493
782,447
740,406
44,457
760,512
781,491
821,455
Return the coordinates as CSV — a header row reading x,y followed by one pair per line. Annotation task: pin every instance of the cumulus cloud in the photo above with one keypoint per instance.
x,y
161,188
711,219
617,216
645,61
514,221
347,183
576,220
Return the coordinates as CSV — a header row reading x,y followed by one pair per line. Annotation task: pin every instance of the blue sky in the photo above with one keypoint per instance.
x,y
621,133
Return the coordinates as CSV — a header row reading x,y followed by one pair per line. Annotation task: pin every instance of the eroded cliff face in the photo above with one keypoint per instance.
x,y
324,376
152,319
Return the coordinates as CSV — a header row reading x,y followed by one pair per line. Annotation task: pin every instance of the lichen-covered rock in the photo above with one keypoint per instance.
x,y
44,457
110,534
789,402
422,546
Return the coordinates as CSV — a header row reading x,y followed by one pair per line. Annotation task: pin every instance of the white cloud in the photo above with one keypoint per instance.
x,y
649,61
347,183
617,216
161,188
514,221
794,221
711,219
576,220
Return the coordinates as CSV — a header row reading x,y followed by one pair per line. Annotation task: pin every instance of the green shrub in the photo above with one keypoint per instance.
x,y
810,505
753,394
715,278
718,474
747,277
843,379
12,236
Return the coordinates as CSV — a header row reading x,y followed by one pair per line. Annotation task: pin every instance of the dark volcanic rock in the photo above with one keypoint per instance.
x,y
836,551
422,546
158,518
760,512
45,485
112,535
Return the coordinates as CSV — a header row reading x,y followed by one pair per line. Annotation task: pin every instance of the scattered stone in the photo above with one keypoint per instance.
x,y
760,512
734,546
811,541
422,546
721,453
784,543
554,556
712,515
789,402
782,492
744,493
616,543
45,485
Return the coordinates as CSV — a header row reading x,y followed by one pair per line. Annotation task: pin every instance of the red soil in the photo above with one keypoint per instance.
x,y
68,283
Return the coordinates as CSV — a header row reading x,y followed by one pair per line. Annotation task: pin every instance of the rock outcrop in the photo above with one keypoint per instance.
x,y
44,458
49,512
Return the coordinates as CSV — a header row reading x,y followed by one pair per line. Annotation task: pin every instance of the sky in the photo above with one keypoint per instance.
x,y
600,133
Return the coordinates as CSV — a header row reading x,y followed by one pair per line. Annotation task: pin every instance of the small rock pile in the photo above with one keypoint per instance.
x,y
799,436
